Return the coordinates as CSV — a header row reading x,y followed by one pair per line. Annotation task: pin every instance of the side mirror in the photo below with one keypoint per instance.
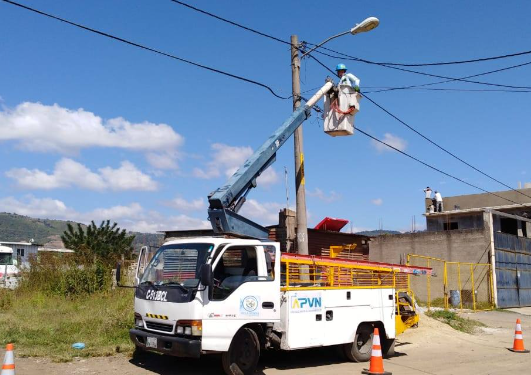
x,y
118,273
205,274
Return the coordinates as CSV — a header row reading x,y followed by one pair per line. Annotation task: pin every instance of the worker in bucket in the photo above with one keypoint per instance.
x,y
348,79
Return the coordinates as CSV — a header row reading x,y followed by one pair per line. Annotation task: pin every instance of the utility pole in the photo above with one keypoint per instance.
x,y
302,226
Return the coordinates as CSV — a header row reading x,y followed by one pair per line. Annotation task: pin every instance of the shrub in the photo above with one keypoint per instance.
x,y
64,275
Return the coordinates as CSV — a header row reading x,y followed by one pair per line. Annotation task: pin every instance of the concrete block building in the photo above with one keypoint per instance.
x,y
478,228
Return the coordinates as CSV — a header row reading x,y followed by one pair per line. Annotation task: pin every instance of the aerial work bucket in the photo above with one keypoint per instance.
x,y
339,111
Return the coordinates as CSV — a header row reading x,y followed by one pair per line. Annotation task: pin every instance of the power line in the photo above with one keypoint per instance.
x,y
436,144
387,65
345,56
147,48
231,22
463,61
432,167
223,72
373,62
440,147
462,79
379,89
392,67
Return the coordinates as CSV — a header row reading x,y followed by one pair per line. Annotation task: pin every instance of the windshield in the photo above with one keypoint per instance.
x,y
177,264
6,259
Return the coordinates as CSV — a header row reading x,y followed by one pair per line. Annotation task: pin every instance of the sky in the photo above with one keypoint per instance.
x,y
94,129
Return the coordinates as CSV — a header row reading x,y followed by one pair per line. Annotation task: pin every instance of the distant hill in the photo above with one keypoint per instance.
x,y
378,232
15,228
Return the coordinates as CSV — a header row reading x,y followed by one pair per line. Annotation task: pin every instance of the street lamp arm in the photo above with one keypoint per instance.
x,y
326,41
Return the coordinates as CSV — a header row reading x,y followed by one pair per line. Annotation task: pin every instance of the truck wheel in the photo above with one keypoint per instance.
x,y
360,350
243,354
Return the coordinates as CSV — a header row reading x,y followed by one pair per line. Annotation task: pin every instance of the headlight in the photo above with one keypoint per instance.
x,y
190,327
139,323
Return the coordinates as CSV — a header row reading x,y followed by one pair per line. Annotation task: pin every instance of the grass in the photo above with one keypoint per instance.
x,y
455,321
41,325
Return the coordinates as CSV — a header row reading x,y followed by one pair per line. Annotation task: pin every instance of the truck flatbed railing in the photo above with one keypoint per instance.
x,y
314,272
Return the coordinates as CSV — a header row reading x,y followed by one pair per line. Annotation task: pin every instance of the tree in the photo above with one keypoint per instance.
x,y
106,242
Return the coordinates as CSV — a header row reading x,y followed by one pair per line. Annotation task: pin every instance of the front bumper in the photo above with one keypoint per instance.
x,y
171,345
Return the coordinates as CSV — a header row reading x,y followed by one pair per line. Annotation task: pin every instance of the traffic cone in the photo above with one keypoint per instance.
x,y
518,345
8,368
376,367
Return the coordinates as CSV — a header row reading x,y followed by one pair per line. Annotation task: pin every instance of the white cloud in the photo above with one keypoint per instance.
x,y
38,207
127,177
131,217
186,205
262,213
332,196
377,201
269,177
392,140
227,159
41,128
165,160
69,173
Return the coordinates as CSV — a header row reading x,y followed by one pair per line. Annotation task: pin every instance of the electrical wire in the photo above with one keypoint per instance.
x,y
387,65
462,79
462,61
450,79
230,22
345,56
440,147
436,144
252,81
451,89
147,48
373,62
432,167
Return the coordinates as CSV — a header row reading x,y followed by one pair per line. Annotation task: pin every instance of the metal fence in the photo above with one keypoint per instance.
x,y
453,284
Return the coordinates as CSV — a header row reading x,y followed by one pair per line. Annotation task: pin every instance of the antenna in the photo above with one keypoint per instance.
x,y
286,184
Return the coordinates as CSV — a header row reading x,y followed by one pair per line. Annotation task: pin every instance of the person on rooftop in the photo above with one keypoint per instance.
x,y
428,192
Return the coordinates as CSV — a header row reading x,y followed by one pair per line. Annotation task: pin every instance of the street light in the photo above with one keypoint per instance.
x,y
300,192
366,25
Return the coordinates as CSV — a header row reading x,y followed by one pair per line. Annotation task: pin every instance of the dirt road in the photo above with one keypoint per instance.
x,y
433,348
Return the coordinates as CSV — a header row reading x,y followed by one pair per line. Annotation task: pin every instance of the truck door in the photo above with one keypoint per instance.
x,y
144,257
245,290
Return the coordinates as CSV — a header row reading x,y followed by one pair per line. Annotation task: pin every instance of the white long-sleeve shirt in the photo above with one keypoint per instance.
x,y
428,193
438,197
350,80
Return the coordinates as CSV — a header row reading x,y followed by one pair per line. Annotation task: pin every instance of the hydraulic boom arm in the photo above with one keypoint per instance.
x,y
226,201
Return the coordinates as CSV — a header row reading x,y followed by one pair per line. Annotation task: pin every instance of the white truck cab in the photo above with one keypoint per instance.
x,y
211,294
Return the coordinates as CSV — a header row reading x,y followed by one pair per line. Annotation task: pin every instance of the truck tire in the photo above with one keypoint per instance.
x,y
360,350
243,354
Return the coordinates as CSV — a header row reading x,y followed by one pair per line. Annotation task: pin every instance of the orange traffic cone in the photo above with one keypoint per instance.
x,y
376,367
518,345
8,368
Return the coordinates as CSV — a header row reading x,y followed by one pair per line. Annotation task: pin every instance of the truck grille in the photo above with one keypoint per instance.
x,y
159,326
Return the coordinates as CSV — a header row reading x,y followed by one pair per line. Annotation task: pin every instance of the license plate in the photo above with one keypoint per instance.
x,y
151,342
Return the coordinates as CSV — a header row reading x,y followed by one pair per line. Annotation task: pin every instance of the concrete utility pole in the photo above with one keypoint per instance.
x,y
302,226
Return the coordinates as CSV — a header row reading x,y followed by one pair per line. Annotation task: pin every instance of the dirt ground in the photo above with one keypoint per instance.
x,y
433,348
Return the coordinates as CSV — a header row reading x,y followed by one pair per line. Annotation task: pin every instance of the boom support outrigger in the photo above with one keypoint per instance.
x,y
226,201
